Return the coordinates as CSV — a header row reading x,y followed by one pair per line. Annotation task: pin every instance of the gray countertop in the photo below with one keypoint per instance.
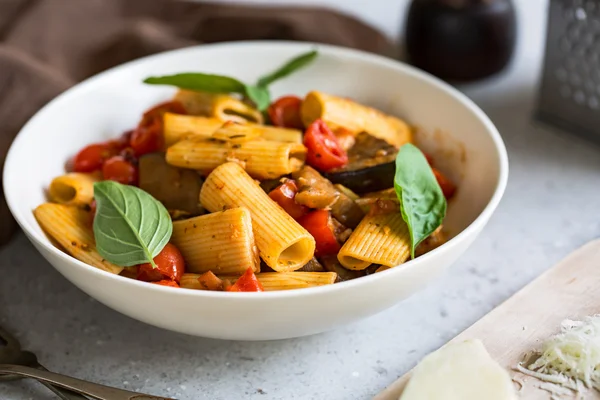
x,y
550,208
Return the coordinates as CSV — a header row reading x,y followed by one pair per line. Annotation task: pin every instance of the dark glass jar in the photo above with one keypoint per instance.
x,y
461,40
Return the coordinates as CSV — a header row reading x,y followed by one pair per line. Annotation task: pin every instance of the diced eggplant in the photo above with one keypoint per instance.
x,y
436,239
313,265
269,184
371,165
314,191
369,179
178,189
332,264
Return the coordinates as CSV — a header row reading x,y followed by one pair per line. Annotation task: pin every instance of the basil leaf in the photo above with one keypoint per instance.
x,y
200,82
131,227
259,95
422,202
289,67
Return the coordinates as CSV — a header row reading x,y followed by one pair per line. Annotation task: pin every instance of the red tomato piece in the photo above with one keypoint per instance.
x,y
318,224
284,195
121,142
118,169
147,139
169,265
166,282
247,283
324,151
448,188
428,158
285,112
92,157
148,136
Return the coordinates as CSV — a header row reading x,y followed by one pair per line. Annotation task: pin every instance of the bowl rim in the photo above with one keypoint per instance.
x,y
477,223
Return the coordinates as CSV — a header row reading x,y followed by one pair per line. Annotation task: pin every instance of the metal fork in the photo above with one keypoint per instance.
x,y
20,363
11,353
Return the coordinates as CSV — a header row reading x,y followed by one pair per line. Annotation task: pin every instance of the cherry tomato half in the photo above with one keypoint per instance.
x,y
284,195
285,112
117,168
148,136
121,142
247,283
318,224
448,188
92,157
169,265
324,151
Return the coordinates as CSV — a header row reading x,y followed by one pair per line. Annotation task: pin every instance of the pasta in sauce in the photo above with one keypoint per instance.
x,y
303,200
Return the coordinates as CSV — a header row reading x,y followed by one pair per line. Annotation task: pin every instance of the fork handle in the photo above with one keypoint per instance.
x,y
93,390
64,394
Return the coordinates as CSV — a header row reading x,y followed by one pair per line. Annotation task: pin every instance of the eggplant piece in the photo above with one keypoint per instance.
x,y
313,265
314,191
178,189
371,165
435,240
269,184
332,264
369,179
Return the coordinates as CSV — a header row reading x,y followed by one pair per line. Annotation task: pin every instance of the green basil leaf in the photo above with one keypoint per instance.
x,y
199,82
259,95
131,227
422,202
289,67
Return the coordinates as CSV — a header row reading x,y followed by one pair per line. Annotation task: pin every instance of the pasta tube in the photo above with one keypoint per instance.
x,y
69,227
74,189
380,238
177,127
221,242
217,105
282,243
262,159
339,112
272,280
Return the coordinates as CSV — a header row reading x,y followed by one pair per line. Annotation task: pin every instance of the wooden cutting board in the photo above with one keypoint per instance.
x,y
570,289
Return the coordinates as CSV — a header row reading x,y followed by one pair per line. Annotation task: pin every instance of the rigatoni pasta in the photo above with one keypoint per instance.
x,y
228,202
356,118
380,238
178,127
272,281
218,105
70,227
221,242
283,244
262,159
74,188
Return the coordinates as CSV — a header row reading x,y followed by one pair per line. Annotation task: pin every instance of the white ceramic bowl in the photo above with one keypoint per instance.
x,y
453,129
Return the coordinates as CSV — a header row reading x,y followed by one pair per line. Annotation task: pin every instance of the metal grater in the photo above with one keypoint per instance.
x,y
569,96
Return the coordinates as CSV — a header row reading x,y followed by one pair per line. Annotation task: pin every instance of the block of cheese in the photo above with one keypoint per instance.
x,y
459,371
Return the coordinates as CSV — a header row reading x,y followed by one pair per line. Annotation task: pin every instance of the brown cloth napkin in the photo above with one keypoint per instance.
x,y
48,45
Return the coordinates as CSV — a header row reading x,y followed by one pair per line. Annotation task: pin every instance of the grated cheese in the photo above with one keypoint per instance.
x,y
570,359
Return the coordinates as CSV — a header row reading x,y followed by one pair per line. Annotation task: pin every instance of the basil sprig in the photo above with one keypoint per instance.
x,y
258,93
130,227
422,201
